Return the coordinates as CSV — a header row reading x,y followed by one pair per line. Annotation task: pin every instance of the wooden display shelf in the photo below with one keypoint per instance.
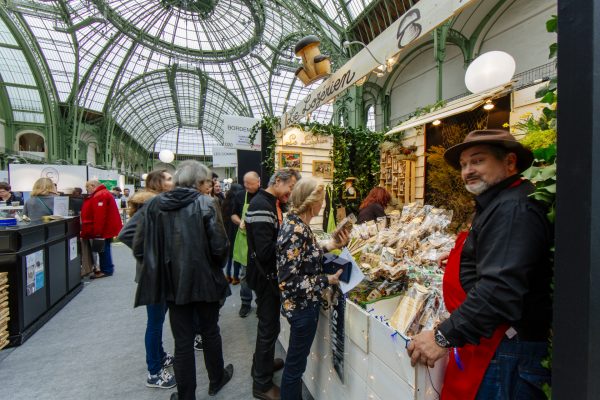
x,y
398,176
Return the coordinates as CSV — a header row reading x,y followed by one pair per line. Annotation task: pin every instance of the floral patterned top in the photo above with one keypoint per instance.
x,y
299,266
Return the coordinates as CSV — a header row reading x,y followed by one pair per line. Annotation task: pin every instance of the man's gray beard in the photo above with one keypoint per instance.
x,y
478,188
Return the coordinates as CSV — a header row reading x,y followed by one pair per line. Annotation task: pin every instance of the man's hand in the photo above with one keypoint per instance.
x,y
423,348
242,225
443,260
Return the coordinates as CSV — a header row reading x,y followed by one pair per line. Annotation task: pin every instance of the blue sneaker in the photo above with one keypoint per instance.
x,y
168,360
162,380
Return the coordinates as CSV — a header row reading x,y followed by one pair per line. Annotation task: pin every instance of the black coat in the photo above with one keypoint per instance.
x,y
182,245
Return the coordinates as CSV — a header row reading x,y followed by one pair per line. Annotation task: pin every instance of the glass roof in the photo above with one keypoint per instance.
x,y
167,70
18,80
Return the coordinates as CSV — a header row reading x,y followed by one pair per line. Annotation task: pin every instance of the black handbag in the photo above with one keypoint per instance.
x,y
98,245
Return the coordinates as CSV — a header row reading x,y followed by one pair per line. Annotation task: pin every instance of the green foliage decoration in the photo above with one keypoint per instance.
x,y
425,110
540,138
267,127
355,153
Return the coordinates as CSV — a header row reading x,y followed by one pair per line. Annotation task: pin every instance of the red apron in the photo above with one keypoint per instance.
x,y
464,384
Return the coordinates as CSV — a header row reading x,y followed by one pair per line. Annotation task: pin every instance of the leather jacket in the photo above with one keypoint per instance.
x,y
182,245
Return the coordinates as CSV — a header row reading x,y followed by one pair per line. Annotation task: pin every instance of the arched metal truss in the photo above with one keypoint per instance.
x,y
156,73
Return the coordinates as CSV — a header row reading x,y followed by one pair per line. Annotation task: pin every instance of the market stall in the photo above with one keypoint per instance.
x,y
360,347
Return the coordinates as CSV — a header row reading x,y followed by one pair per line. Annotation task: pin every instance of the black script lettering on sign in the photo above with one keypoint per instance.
x,y
409,29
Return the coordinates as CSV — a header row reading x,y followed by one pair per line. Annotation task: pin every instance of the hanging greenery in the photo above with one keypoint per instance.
x,y
540,138
267,127
355,153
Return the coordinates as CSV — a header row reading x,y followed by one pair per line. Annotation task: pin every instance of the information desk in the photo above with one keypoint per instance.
x,y
363,358
43,265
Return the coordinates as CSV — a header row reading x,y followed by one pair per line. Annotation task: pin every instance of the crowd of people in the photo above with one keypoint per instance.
x,y
191,241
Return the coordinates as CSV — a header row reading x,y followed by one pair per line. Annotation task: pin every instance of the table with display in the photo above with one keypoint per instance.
x,y
44,271
357,355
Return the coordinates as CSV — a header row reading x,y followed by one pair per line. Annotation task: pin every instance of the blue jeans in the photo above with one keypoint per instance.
x,y
303,327
153,339
245,291
236,268
515,372
106,263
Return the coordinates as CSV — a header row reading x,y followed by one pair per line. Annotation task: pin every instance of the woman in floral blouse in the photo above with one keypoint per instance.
x,y
301,279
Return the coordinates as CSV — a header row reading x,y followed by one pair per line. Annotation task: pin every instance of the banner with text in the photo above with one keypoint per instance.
x,y
417,22
224,157
237,133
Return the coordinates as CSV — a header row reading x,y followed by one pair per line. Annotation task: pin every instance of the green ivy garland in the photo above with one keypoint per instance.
x,y
267,127
355,152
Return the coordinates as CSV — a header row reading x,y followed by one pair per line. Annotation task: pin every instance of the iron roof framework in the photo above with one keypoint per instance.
x,y
165,71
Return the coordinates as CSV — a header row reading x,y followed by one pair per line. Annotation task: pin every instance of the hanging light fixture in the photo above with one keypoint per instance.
x,y
489,70
488,105
361,81
436,122
166,156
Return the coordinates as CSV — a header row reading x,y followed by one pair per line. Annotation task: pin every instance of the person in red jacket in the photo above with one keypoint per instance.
x,y
100,219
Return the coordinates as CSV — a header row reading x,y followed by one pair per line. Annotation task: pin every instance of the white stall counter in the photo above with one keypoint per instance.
x,y
376,364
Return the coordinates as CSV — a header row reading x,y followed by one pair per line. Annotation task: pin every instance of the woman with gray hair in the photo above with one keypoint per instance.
x,y
182,246
301,279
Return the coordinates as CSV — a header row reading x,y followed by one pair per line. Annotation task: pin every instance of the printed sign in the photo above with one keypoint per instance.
x,y
73,248
109,183
34,267
61,206
417,22
224,157
337,334
102,174
237,133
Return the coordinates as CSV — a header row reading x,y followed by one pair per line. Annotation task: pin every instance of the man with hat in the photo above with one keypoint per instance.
x,y
497,280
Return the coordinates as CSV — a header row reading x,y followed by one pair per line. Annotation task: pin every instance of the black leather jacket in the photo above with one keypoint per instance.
x,y
182,245
505,268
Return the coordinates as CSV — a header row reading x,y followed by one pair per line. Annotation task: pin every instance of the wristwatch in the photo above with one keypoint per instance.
x,y
440,339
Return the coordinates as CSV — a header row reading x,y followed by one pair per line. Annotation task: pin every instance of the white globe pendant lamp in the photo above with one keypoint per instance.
x,y
489,70
166,156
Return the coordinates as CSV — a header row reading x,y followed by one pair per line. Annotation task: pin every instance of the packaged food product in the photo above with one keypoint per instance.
x,y
410,306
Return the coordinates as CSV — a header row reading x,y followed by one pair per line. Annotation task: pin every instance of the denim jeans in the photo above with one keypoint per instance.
x,y
515,372
182,326
236,268
106,263
303,327
154,327
245,291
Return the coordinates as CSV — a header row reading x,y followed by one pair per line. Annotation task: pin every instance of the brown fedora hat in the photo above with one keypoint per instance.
x,y
495,137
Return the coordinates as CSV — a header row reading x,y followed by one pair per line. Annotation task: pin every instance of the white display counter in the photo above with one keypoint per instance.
x,y
376,364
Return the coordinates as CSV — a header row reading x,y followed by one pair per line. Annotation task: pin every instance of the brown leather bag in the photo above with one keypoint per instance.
x,y
87,261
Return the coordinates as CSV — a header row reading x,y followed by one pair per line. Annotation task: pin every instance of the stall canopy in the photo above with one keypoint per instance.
x,y
464,104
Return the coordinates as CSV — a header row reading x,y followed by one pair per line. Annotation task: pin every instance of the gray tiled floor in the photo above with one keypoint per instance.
x,y
94,348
